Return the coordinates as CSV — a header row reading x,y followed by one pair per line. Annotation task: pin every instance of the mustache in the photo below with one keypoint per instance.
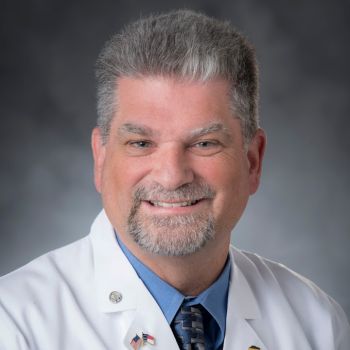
x,y
187,192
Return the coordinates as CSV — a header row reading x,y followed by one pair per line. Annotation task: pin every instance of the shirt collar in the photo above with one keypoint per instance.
x,y
169,299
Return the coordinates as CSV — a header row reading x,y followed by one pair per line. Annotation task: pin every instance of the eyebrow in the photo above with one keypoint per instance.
x,y
135,129
211,128
143,130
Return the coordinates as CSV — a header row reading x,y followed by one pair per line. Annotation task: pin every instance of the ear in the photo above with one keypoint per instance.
x,y
98,151
255,155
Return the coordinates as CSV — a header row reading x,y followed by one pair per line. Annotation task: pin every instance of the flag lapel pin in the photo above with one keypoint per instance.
x,y
136,342
147,338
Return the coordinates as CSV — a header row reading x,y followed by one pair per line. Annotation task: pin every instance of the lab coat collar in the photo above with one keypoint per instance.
x,y
242,311
113,272
241,300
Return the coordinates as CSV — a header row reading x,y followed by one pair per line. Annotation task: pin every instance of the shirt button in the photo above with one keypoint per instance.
x,y
115,297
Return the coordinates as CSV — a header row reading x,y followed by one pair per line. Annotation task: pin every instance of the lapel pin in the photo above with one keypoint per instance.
x,y
147,338
253,347
138,341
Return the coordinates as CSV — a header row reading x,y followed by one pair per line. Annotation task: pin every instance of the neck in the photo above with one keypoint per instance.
x,y
190,274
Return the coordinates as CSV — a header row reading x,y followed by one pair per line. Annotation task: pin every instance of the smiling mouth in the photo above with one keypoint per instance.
x,y
173,204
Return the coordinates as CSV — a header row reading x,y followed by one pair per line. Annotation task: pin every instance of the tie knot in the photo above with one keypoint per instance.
x,y
188,328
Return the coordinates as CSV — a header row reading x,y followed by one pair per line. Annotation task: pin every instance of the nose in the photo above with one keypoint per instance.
x,y
171,167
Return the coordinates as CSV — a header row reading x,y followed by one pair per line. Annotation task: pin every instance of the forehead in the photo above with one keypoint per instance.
x,y
163,103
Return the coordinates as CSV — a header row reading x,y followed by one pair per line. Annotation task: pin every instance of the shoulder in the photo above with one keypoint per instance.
x,y
35,293
71,262
263,273
55,265
293,301
36,283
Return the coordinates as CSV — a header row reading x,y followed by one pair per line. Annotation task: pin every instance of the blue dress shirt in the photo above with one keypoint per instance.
x,y
169,299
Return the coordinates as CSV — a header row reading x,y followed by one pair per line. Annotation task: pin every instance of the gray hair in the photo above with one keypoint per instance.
x,y
182,44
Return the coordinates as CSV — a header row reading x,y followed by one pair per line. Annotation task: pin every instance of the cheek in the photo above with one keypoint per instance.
x,y
224,174
120,177
114,189
231,185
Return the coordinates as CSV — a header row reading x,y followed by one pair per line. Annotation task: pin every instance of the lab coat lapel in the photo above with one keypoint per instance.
x,y
114,273
242,310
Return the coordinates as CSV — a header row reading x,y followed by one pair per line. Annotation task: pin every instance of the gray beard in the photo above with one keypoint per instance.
x,y
175,235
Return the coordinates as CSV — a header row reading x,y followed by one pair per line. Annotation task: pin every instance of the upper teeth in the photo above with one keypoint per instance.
x,y
173,205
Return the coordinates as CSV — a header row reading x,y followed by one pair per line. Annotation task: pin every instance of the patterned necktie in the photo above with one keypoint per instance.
x,y
188,328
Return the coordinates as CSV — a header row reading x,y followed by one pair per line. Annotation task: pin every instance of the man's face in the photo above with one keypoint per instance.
x,y
174,173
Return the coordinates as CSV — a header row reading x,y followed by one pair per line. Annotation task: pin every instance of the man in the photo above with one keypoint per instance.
x,y
177,151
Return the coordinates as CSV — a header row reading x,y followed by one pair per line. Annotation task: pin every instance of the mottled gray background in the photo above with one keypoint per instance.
x,y
300,215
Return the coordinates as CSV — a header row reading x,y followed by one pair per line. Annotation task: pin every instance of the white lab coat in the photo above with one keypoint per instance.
x,y
60,301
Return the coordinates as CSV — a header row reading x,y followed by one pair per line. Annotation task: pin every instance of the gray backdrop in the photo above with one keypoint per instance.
x,y
299,217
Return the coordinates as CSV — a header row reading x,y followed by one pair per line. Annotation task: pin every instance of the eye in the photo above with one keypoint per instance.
x,y
206,147
205,144
140,144
139,147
